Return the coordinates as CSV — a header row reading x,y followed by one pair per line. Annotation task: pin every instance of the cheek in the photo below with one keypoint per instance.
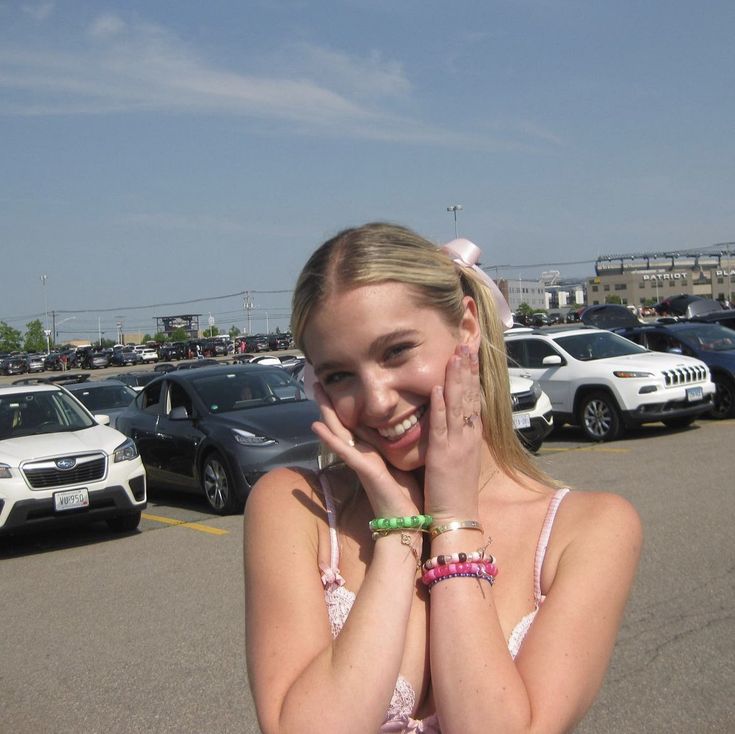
x,y
345,408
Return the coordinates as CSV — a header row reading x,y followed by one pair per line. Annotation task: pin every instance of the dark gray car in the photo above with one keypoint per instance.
x,y
217,430
106,397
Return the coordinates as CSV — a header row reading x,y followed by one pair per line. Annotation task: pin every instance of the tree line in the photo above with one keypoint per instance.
x,y
12,340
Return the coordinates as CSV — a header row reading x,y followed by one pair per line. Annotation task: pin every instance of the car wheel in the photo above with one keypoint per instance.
x,y
218,486
124,523
599,417
724,398
681,422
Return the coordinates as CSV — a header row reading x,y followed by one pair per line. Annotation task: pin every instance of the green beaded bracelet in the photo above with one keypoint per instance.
x,y
419,522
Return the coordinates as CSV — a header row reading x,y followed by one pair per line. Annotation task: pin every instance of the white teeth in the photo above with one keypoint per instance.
x,y
400,428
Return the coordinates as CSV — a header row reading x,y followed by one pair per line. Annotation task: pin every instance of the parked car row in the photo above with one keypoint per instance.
x,y
72,447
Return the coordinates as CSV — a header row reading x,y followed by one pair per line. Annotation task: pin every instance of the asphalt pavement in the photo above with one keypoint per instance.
x,y
144,632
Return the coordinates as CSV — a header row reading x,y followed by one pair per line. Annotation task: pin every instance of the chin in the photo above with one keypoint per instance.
x,y
408,461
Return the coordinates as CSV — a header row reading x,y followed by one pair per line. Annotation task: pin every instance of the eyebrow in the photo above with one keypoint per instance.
x,y
378,345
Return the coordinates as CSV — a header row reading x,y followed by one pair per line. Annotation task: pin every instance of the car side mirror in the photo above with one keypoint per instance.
x,y
179,413
552,360
103,420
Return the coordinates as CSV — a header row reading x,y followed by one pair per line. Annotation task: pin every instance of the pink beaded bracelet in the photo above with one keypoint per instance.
x,y
443,560
479,569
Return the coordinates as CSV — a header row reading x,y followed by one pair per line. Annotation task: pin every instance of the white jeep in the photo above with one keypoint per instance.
x,y
605,383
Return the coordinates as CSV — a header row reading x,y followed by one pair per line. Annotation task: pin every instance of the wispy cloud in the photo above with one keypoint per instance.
x,y
122,66
38,11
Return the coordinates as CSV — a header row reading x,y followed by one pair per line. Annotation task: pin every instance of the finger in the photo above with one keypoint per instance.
x,y
437,413
337,445
330,417
471,382
453,393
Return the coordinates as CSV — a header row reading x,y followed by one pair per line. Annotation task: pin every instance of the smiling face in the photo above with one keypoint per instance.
x,y
378,355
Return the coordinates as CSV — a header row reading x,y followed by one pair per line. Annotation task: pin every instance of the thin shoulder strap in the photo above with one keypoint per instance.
x,y
331,574
543,541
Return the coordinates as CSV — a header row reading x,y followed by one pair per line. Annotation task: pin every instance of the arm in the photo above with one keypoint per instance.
x,y
302,679
478,687
560,668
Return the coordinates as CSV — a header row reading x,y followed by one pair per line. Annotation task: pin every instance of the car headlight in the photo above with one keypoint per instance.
x,y
246,438
626,374
536,390
5,472
125,451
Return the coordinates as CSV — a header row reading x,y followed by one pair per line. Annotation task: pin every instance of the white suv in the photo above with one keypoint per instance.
x,y
532,415
147,354
59,462
604,383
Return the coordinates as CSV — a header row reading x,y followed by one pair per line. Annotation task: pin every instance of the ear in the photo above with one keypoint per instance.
x,y
469,327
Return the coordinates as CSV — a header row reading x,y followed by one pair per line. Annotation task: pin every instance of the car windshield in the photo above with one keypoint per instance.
x,y
98,398
710,337
29,413
597,345
239,390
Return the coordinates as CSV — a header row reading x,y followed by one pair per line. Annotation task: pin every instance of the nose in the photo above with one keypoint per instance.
x,y
379,397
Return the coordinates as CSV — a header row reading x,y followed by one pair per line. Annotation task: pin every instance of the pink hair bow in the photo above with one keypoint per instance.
x,y
467,254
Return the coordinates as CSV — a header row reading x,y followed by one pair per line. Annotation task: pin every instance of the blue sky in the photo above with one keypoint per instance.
x,y
156,153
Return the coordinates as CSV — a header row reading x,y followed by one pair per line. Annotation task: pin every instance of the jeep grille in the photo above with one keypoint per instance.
x,y
684,376
45,474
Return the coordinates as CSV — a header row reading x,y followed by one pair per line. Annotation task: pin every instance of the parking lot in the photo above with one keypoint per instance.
x,y
144,632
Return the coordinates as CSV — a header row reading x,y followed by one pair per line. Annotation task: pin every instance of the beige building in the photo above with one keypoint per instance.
x,y
641,279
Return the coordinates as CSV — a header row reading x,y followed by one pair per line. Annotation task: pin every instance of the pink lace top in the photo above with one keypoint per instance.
x,y
339,601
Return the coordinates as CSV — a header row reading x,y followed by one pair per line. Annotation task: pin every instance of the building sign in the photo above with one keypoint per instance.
x,y
665,276
724,273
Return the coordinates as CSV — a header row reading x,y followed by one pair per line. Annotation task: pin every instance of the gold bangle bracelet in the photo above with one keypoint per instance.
x,y
456,525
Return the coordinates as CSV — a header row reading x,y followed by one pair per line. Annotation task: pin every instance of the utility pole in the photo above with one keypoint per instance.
x,y
248,305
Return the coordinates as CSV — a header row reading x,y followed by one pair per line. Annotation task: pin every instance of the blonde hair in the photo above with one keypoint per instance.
x,y
381,252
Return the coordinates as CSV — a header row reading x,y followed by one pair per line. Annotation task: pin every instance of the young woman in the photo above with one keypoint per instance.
x,y
431,578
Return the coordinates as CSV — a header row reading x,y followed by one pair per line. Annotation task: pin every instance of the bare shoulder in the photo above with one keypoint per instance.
x,y
601,514
285,496
596,525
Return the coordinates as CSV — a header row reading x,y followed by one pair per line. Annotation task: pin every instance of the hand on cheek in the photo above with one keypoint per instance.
x,y
455,441
389,490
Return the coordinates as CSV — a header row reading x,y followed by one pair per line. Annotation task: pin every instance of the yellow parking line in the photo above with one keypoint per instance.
x,y
192,525
603,449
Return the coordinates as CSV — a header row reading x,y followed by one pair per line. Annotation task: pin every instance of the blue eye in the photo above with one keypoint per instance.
x,y
397,351
334,378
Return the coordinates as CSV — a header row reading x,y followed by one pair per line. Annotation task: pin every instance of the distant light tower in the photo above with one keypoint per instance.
x,y
454,209
46,330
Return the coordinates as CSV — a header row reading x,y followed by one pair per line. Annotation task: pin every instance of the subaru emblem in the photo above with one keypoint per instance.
x,y
66,464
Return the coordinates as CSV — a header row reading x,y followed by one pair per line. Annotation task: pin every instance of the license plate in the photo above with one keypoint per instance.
x,y
694,393
71,499
521,421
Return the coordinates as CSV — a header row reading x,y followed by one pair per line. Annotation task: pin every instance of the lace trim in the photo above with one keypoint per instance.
x,y
339,601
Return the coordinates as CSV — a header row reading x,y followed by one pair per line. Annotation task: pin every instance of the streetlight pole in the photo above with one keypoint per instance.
x,y
454,209
46,331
